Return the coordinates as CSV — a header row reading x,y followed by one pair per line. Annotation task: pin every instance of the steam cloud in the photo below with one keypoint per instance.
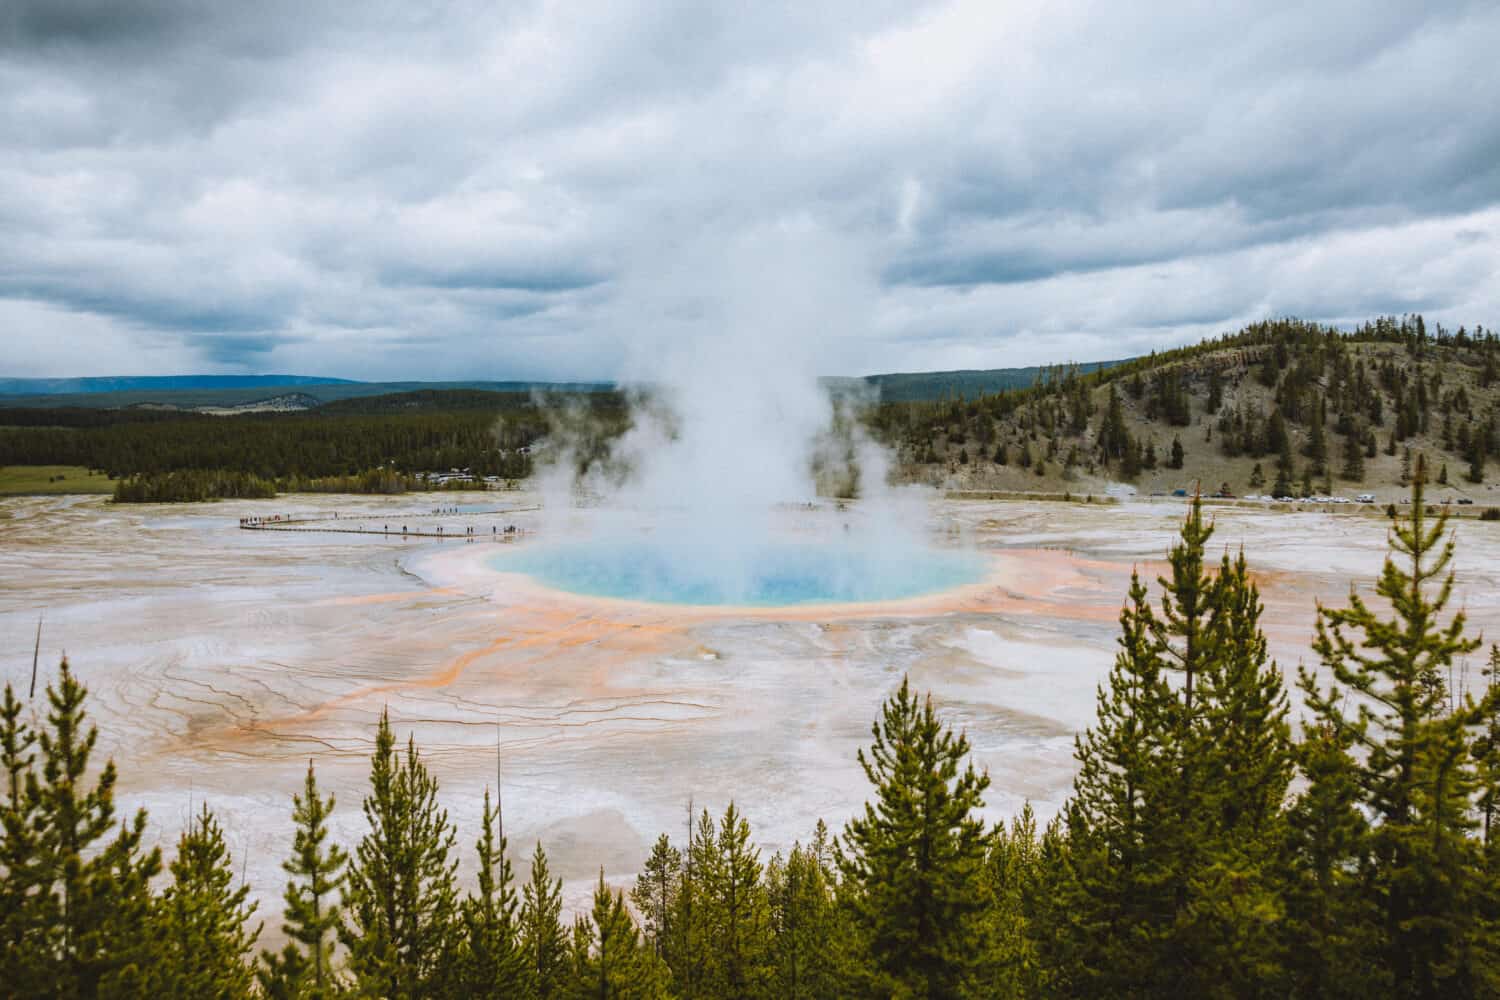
x,y
731,431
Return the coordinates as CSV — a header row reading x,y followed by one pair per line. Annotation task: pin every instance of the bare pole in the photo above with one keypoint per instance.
x,y
499,810
36,654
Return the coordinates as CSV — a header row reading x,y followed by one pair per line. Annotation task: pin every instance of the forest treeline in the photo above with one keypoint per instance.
x,y
1205,851
1312,401
364,445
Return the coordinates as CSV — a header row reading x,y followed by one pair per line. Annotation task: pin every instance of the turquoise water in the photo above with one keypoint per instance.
x,y
775,575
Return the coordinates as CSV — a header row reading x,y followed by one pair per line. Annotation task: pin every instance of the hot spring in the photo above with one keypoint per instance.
x,y
773,574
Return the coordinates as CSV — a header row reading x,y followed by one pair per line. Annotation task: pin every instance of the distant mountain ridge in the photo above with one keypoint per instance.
x,y
191,392
212,397
146,383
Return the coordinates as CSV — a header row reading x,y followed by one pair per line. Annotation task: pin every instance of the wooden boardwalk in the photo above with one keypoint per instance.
x,y
400,527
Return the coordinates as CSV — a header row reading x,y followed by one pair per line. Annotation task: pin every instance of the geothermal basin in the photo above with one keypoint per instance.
x,y
220,660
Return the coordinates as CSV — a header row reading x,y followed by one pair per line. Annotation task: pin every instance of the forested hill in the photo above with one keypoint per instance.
x,y
899,387
1283,407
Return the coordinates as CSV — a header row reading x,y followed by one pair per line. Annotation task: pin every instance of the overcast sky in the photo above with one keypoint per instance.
x,y
408,190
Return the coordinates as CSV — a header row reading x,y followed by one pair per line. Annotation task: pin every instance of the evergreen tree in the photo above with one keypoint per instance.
x,y
1242,764
1177,452
1354,460
694,925
1116,899
655,894
542,938
399,899
1330,922
1487,760
735,909
1013,877
92,895
1173,829
608,959
807,927
1414,773
1114,438
24,913
1317,441
493,963
915,857
304,968
202,941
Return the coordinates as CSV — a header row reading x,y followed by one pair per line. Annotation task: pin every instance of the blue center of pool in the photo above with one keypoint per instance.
x,y
774,575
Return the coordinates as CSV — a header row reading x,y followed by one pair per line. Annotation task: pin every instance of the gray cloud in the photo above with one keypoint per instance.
x,y
464,188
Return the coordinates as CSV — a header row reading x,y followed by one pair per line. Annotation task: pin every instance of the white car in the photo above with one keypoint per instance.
x,y
1366,498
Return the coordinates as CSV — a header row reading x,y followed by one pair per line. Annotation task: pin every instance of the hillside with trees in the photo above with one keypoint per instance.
x,y
1213,845
1285,408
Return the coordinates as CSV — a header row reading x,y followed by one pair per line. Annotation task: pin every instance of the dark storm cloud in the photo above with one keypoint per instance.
x,y
454,187
27,24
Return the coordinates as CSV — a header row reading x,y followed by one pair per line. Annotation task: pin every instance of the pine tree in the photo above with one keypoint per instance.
x,y
1114,438
1330,919
492,963
1173,830
93,895
24,915
691,949
915,858
1189,635
609,961
1487,760
1317,442
1242,765
1354,460
201,934
1177,452
1116,898
543,940
1414,773
304,968
399,900
807,927
1013,877
735,910
655,894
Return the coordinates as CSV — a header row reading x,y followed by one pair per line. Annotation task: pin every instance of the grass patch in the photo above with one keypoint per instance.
x,y
31,480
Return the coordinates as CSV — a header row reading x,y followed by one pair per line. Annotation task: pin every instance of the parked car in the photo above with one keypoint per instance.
x,y
1366,498
1179,493
1465,500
